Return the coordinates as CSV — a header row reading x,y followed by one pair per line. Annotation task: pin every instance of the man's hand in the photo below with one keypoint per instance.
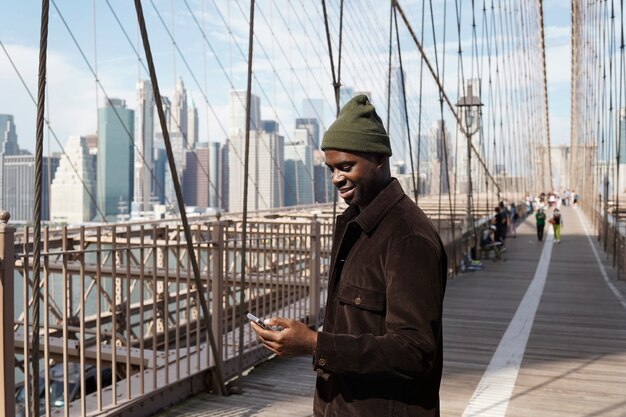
x,y
293,340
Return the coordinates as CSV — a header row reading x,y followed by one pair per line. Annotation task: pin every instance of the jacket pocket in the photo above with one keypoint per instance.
x,y
361,298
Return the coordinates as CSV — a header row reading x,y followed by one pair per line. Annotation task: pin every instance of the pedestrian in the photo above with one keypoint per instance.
x,y
380,350
529,204
540,219
557,223
501,222
489,243
513,220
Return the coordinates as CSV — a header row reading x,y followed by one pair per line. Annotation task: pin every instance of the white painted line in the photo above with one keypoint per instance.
x,y
491,397
617,293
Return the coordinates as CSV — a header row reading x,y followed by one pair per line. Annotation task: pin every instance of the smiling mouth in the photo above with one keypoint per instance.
x,y
346,193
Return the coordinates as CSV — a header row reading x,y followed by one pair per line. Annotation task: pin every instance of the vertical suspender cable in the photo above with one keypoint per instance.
x,y
336,82
41,99
246,168
611,122
545,94
218,379
392,3
575,146
419,120
602,127
406,114
619,142
336,79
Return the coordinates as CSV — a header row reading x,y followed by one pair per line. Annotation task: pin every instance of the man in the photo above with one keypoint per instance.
x,y
540,219
501,222
557,223
380,351
489,243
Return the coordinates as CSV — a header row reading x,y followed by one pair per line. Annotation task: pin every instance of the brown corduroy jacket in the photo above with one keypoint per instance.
x,y
380,351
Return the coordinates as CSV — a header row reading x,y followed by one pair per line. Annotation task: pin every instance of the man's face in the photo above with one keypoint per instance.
x,y
359,177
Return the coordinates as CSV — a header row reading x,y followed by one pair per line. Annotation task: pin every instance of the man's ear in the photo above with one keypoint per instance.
x,y
381,160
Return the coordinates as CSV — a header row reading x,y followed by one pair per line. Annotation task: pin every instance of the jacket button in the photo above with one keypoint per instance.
x,y
322,362
357,301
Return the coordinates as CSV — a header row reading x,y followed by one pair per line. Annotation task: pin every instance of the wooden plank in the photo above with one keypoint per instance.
x,y
573,363
279,387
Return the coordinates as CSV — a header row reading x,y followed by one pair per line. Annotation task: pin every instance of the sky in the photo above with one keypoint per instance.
x,y
557,28
290,59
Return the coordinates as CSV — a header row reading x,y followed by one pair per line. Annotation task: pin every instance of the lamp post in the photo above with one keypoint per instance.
x,y
469,106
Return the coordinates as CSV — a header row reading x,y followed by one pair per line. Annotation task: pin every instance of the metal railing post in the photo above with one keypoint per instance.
x,y
7,353
314,285
217,285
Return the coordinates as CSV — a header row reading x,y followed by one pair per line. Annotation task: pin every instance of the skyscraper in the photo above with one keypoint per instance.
x,y
266,157
8,135
324,188
182,125
237,106
115,157
74,184
19,185
216,196
144,145
196,177
178,126
158,179
8,146
439,158
397,120
298,174
266,167
192,127
313,128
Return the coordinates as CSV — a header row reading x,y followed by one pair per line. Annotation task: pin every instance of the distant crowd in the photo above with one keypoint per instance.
x,y
547,201
503,224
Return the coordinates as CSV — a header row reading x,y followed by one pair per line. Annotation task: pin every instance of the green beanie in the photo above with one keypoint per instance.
x,y
358,129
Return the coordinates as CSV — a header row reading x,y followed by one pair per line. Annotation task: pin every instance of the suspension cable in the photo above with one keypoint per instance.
x,y
336,80
545,93
218,379
41,98
406,115
244,224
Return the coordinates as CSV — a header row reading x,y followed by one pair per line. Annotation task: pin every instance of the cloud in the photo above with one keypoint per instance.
x,y
561,33
559,128
71,102
558,64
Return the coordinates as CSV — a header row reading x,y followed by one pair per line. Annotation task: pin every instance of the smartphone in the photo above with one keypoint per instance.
x,y
258,321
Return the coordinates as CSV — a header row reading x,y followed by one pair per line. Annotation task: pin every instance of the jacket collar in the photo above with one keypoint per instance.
x,y
375,211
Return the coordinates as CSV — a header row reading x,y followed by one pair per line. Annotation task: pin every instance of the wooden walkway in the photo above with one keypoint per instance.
x,y
522,337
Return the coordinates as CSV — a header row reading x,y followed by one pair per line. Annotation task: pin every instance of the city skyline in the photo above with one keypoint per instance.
x,y
202,82
101,173
121,173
